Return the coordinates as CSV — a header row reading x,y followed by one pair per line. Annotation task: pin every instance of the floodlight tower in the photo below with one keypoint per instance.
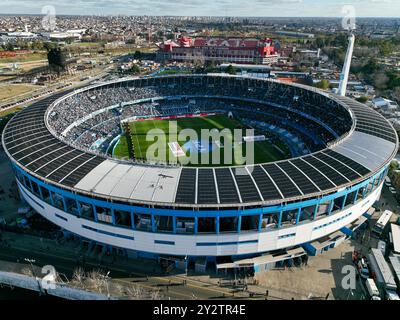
x,y
344,76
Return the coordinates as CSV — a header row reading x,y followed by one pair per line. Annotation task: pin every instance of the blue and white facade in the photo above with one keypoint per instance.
x,y
134,207
353,202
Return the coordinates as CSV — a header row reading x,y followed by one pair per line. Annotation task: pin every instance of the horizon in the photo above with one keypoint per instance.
x,y
207,8
192,16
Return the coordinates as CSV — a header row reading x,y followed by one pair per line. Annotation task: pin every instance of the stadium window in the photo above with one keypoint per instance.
x,y
206,225
57,200
104,215
228,224
87,211
72,206
360,194
27,183
45,194
307,213
184,225
123,218
164,223
338,203
289,217
35,188
270,221
350,198
249,223
370,186
19,176
143,222
323,209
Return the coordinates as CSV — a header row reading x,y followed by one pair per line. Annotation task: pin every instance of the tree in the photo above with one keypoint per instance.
x,y
138,55
319,42
380,80
9,46
49,45
231,69
135,69
362,99
386,48
324,84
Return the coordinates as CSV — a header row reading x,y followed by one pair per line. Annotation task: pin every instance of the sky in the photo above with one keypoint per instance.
x,y
258,8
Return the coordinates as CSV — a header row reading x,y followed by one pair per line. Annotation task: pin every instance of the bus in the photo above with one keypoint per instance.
x,y
372,289
382,222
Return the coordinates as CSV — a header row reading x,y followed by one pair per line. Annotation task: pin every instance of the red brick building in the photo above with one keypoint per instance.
x,y
218,50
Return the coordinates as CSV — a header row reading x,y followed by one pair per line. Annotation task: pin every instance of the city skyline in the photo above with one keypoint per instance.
x,y
252,8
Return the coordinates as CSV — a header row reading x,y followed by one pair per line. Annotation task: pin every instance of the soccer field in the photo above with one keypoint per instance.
x,y
143,137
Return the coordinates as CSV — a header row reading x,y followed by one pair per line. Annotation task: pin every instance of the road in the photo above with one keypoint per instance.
x,y
124,271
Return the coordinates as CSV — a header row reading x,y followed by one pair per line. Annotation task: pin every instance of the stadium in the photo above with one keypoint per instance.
x,y
318,168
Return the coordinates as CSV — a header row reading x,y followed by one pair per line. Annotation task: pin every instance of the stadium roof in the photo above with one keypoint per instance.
x,y
368,147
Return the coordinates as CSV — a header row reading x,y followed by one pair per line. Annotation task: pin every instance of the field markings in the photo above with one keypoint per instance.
x,y
137,140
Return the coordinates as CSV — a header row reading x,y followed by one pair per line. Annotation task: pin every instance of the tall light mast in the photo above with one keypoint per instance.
x,y
344,76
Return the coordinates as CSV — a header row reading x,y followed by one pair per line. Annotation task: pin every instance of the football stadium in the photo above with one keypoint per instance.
x,y
81,160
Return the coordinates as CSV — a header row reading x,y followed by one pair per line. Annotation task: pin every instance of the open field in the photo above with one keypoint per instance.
x,y
28,57
143,141
172,71
24,66
14,90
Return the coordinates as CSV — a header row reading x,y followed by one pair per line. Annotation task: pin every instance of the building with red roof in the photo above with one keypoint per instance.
x,y
218,50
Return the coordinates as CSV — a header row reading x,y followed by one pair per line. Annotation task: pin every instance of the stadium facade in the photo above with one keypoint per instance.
x,y
189,212
218,50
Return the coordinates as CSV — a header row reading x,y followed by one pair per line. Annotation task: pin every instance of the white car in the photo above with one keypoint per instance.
x,y
391,295
392,190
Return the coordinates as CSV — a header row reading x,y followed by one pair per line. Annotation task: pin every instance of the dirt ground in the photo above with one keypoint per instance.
x,y
13,90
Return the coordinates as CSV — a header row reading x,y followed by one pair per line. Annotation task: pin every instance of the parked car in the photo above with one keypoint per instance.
x,y
363,268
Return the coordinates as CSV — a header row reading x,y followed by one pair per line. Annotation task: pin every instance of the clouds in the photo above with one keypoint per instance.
x,y
278,8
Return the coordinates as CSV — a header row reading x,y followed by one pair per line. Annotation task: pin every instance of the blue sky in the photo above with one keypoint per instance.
x,y
273,8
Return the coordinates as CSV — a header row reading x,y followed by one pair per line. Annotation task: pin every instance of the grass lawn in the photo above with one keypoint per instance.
x,y
171,71
264,151
121,149
13,90
34,56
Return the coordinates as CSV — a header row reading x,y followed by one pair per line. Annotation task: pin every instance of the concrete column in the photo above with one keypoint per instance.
x,y
316,211
298,216
280,218
344,200
133,220
196,224
174,224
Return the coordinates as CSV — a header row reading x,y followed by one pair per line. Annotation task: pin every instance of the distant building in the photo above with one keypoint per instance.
x,y
115,44
295,34
218,50
385,104
63,36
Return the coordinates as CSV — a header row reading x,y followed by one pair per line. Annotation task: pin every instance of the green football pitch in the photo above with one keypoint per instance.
x,y
152,145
